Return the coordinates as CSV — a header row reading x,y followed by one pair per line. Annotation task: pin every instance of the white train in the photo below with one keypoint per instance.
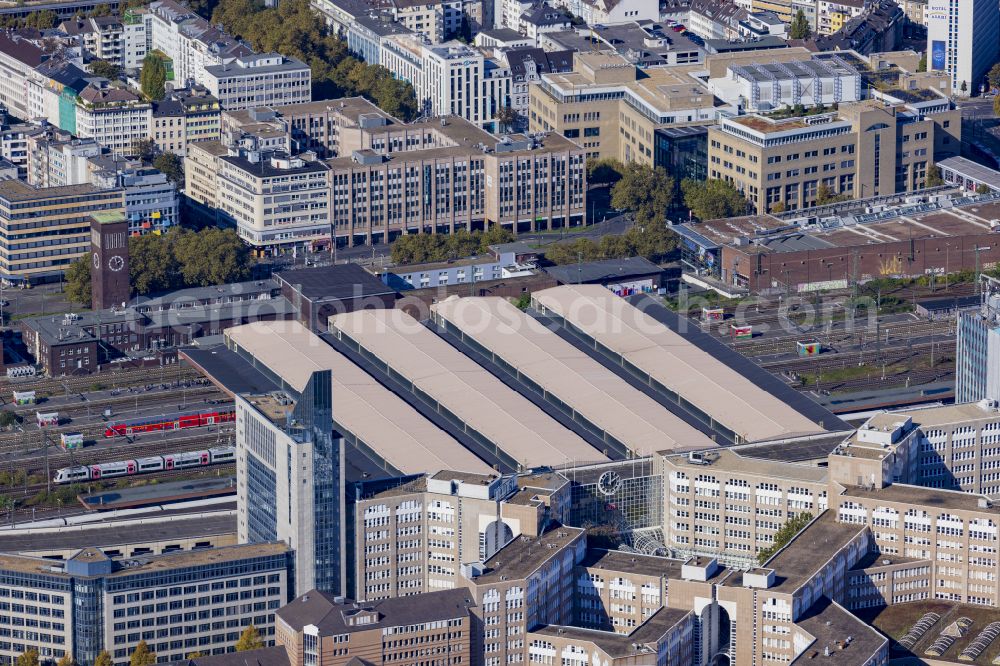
x,y
111,470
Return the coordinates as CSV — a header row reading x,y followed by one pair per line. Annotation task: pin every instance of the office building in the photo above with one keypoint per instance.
x,y
275,201
872,148
290,471
613,108
977,352
152,204
252,80
179,603
18,58
414,538
56,158
757,86
47,229
961,41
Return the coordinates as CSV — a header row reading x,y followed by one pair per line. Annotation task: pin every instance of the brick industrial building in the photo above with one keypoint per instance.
x,y
765,253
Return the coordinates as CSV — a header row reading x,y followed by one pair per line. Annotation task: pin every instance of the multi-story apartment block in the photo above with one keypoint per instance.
x,y
960,41
414,538
832,15
191,42
276,201
103,37
365,35
117,118
290,471
613,109
597,12
178,603
870,148
434,20
47,229
18,58
252,80
138,22
201,178
183,117
56,158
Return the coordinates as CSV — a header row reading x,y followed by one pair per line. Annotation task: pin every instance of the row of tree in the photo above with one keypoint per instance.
x,y
293,29
180,258
421,248
142,656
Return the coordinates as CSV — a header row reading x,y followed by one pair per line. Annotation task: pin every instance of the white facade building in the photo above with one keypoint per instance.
x,y
448,79
266,79
962,40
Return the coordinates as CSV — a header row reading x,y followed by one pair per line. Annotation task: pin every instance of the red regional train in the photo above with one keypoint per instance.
x,y
179,422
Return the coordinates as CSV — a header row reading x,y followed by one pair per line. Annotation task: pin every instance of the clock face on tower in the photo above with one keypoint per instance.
x,y
116,263
97,260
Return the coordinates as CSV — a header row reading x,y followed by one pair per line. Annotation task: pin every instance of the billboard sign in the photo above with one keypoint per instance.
x,y
937,55
741,332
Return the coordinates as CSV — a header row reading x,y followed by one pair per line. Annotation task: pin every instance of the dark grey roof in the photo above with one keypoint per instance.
x,y
168,107
796,243
21,49
270,656
333,283
830,624
67,74
795,450
546,62
320,609
725,46
210,293
606,270
544,15
263,168
382,27
108,534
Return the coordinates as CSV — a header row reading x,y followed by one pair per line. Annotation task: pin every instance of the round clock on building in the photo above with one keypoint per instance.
x,y
97,260
116,263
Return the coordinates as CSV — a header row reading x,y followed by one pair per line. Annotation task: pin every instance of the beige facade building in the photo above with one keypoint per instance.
x,y
415,538
870,148
433,629
612,108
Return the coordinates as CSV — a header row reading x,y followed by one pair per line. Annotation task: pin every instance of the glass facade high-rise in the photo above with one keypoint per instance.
x,y
291,485
977,350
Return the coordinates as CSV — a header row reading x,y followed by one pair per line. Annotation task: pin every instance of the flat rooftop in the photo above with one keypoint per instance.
x,y
947,415
644,565
641,644
667,357
524,555
113,534
919,496
571,375
468,391
334,283
383,421
797,562
830,624
730,461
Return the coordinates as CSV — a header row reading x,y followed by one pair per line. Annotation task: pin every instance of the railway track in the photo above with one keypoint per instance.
x,y
118,378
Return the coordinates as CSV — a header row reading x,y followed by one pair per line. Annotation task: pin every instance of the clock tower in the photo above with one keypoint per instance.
x,y
109,253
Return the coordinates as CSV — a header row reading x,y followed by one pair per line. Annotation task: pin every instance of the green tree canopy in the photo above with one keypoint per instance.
x,y
77,281
292,28
8,418
171,165
604,170
653,241
800,28
994,76
183,258
153,76
934,178
144,149
249,640
103,659
105,68
922,63
27,658
825,195
996,105
784,535
422,248
713,199
646,191
142,655
983,189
